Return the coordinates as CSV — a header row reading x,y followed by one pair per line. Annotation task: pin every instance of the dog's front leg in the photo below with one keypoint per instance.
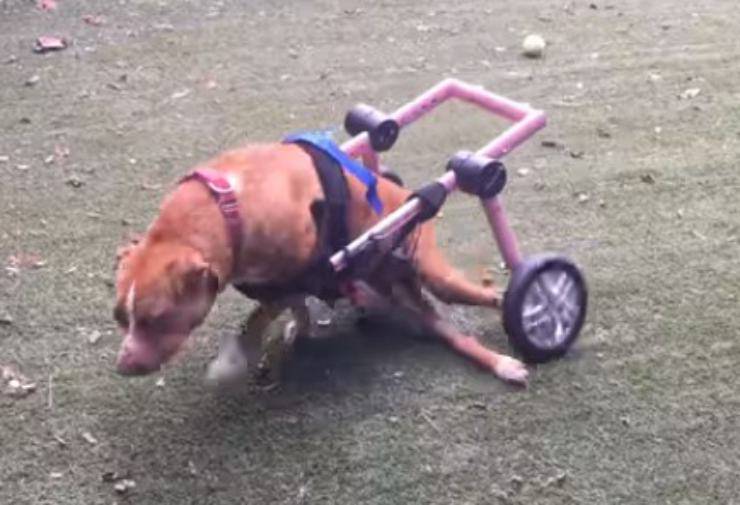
x,y
237,352
409,296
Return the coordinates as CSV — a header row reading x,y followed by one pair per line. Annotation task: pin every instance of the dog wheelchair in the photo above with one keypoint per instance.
x,y
545,302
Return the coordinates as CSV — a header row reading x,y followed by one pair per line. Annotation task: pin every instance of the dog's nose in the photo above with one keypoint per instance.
x,y
132,370
128,365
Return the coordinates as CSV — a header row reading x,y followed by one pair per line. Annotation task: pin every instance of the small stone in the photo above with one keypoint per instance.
x,y
11,59
22,168
576,155
124,486
603,133
517,482
87,436
75,182
393,420
56,475
94,336
679,213
583,197
324,322
487,280
533,46
4,159
523,172
32,81
49,159
6,320
160,382
625,420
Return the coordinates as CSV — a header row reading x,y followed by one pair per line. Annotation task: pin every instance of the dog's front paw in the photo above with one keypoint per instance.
x,y
227,369
511,370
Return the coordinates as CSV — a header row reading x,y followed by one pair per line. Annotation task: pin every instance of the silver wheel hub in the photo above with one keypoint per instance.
x,y
552,305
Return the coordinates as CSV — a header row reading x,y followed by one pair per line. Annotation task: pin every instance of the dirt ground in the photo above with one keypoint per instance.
x,y
640,189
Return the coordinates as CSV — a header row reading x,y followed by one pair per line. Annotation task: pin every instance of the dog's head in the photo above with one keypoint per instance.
x,y
163,291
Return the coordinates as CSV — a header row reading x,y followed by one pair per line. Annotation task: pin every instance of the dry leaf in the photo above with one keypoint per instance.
x,y
47,43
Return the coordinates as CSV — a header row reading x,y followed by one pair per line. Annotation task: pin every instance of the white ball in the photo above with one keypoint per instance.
x,y
533,46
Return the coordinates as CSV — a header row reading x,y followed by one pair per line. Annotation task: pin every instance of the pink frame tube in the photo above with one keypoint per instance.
x,y
527,122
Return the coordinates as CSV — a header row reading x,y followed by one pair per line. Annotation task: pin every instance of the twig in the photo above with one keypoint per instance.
x,y
50,402
431,422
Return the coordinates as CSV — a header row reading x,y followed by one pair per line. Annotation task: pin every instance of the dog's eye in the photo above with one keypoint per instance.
x,y
153,324
121,316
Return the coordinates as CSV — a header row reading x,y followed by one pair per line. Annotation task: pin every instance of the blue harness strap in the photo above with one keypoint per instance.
x,y
321,141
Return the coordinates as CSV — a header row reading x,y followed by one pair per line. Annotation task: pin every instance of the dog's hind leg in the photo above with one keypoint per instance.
x,y
446,282
409,296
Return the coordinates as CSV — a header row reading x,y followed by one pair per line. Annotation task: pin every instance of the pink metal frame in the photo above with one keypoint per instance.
x,y
527,122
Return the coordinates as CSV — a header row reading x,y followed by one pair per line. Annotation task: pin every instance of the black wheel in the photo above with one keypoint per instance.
x,y
393,176
544,307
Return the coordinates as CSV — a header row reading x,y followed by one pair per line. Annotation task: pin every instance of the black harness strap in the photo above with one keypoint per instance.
x,y
330,215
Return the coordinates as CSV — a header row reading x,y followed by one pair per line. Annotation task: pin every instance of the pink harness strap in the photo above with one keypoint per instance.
x,y
227,204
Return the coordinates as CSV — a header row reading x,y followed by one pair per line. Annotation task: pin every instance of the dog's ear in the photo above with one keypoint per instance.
x,y
125,250
197,275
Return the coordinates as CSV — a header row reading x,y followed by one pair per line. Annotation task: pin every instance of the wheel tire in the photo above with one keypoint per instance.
x,y
393,177
521,280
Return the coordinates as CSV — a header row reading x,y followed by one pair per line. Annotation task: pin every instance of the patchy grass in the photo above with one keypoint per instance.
x,y
643,411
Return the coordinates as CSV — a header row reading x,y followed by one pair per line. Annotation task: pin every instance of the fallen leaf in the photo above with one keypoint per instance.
x,y
25,260
47,5
93,20
47,43
647,179
689,94
551,144
109,476
180,94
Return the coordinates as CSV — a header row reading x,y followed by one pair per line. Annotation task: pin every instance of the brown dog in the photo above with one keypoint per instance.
x,y
167,283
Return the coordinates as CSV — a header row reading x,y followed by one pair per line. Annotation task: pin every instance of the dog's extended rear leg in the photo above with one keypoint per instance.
x,y
446,282
237,352
409,295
